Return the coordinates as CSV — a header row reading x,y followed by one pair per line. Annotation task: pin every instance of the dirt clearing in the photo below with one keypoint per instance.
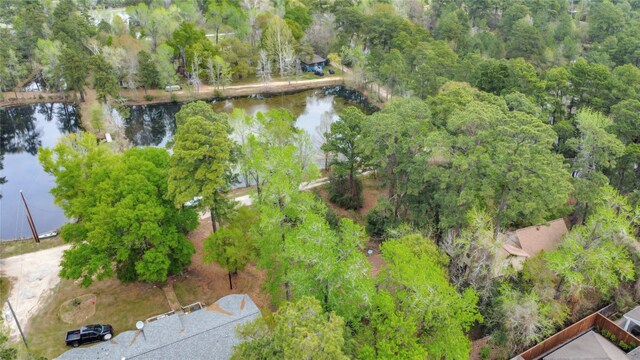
x,y
32,275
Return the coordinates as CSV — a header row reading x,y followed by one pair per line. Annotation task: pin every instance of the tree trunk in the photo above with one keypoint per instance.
x,y
230,283
212,210
81,95
145,90
258,185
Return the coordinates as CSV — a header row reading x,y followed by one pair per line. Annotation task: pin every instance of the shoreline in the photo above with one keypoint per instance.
x,y
160,96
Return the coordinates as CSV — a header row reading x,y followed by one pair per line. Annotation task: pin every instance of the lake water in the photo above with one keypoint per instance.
x,y
154,125
25,128
22,130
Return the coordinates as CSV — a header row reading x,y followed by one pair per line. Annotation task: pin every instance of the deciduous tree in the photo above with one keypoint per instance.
x,y
233,246
300,330
125,223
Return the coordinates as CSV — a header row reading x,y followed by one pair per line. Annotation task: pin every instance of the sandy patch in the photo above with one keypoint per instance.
x,y
33,275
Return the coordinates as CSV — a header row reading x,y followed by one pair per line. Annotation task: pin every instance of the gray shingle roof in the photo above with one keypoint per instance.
x,y
203,334
309,60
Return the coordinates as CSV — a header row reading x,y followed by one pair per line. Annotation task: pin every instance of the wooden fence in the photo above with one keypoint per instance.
x,y
621,335
575,330
560,338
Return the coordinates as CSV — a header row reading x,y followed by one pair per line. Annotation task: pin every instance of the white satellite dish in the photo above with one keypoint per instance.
x,y
139,325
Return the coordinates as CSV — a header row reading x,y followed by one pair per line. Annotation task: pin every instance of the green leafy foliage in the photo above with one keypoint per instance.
x,y
300,330
148,74
233,246
125,222
596,255
201,163
342,141
417,278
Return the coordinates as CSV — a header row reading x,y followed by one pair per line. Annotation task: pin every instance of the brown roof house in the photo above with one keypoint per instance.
x,y
525,243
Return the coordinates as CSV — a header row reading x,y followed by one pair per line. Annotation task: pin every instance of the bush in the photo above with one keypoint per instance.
x,y
379,219
332,218
148,97
174,97
485,352
340,194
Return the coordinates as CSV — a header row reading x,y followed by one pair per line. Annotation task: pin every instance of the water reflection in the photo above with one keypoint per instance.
x,y
151,125
23,129
154,125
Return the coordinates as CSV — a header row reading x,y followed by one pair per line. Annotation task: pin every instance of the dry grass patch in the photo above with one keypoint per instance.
x,y
77,310
5,287
19,247
118,304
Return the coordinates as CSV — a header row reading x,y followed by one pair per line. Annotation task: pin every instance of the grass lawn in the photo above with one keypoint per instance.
x,y
118,304
19,247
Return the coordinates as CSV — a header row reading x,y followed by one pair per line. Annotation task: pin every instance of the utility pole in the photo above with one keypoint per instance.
x,y
32,225
17,323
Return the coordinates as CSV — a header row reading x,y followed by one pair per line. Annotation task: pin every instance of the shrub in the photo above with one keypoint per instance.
x,y
148,97
379,219
174,98
485,352
332,218
340,195
623,345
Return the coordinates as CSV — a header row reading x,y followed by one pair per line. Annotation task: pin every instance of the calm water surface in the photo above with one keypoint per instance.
x,y
154,125
22,130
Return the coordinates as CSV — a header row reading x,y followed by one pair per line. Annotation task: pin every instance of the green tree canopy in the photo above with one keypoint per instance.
x,y
342,141
125,222
300,330
417,278
201,165
596,255
148,73
233,246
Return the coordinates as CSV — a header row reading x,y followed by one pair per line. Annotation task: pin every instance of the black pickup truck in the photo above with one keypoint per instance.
x,y
87,334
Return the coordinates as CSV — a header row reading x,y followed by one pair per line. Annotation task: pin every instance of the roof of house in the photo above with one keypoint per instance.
x,y
534,239
592,346
514,250
313,59
202,334
634,314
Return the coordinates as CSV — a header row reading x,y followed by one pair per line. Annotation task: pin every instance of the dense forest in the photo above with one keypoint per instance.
x,y
498,115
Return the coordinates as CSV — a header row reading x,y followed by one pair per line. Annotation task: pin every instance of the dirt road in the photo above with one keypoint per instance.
x,y
137,96
33,276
